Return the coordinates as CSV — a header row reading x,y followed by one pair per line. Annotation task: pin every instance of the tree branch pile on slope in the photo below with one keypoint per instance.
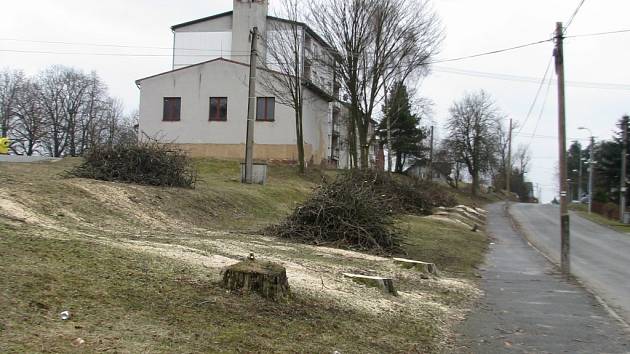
x,y
146,163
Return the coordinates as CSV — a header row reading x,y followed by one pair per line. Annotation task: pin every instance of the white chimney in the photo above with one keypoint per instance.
x,y
247,15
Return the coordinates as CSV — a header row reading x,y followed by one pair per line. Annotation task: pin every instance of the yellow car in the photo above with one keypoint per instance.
x,y
4,146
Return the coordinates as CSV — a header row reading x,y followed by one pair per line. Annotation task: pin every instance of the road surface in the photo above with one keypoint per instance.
x,y
529,307
600,256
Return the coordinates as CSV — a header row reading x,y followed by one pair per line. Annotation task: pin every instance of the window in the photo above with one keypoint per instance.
x,y
218,109
265,109
172,109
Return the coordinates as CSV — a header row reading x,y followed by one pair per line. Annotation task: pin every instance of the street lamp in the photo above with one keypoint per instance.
x,y
590,170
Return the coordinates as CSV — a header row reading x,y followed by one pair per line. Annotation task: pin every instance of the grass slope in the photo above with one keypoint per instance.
x,y
134,265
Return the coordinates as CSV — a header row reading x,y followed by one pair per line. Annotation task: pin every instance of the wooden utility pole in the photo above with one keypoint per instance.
x,y
565,262
624,159
251,110
591,170
431,156
508,167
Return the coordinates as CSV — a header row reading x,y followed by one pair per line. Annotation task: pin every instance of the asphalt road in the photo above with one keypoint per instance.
x,y
600,256
529,307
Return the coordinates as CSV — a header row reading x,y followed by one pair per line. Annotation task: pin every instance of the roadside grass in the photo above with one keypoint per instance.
x,y
455,249
582,210
124,301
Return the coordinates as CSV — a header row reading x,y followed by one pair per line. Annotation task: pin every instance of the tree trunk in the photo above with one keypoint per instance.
x,y
265,278
300,137
475,183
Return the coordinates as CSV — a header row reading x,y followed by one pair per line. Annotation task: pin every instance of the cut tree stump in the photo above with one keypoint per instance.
x,y
424,267
265,278
385,284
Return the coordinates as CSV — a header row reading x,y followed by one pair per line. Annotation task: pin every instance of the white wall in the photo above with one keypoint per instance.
x,y
196,84
196,47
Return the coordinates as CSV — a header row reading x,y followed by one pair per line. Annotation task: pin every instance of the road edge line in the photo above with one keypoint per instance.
x,y
521,231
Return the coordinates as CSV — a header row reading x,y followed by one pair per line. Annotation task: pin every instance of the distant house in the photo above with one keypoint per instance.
x,y
441,171
201,105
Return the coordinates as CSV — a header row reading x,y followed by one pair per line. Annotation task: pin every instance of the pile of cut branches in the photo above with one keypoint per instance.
x,y
406,195
146,163
347,213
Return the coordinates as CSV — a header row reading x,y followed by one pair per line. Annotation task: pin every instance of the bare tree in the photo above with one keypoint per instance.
x,y
10,84
30,125
472,134
375,42
522,158
284,61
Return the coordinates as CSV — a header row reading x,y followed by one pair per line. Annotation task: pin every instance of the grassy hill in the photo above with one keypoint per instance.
x,y
139,268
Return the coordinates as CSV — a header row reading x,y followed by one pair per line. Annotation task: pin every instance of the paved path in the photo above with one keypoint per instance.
x,y
529,308
25,159
600,256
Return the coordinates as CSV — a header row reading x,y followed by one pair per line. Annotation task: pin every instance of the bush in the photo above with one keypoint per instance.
x,y
346,213
146,163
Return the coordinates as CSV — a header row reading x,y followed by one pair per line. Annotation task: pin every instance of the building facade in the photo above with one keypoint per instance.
x,y
201,104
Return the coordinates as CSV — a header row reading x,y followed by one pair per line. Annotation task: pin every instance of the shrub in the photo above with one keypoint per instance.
x,y
146,163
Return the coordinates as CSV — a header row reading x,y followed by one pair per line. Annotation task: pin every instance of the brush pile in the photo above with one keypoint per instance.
x,y
145,163
357,210
346,213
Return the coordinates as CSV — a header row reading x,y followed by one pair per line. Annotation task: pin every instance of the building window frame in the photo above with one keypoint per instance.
x,y
265,109
172,109
219,115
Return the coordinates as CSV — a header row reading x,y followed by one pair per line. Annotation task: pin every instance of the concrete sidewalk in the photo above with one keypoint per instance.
x,y
529,308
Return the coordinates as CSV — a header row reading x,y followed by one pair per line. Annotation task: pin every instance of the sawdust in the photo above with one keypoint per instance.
x,y
118,197
20,212
311,278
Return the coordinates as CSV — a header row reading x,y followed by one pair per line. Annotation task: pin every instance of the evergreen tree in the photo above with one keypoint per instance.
x,y
406,134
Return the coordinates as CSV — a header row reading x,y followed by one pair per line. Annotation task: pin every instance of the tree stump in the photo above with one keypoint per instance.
x,y
385,284
265,278
424,267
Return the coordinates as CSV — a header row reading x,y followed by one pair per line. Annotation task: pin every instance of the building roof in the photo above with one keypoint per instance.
x,y
307,84
201,20
229,13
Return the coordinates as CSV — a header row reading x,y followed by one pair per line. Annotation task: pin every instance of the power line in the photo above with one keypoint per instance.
x,y
530,79
116,54
598,34
542,110
109,45
531,107
574,15
490,52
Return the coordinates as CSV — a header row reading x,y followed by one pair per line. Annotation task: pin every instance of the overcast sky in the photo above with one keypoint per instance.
x,y
471,27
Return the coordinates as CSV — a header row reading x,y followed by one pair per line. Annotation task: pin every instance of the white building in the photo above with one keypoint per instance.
x,y
201,105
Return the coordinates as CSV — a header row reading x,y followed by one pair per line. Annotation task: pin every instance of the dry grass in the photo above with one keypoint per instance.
x,y
139,267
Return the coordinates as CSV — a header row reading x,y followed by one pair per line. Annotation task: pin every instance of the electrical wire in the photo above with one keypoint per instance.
x,y
529,79
531,107
112,45
542,110
598,34
574,15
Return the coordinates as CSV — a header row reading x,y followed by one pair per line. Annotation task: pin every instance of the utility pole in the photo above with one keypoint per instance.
x,y
508,167
565,264
251,109
580,173
624,158
431,156
591,169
